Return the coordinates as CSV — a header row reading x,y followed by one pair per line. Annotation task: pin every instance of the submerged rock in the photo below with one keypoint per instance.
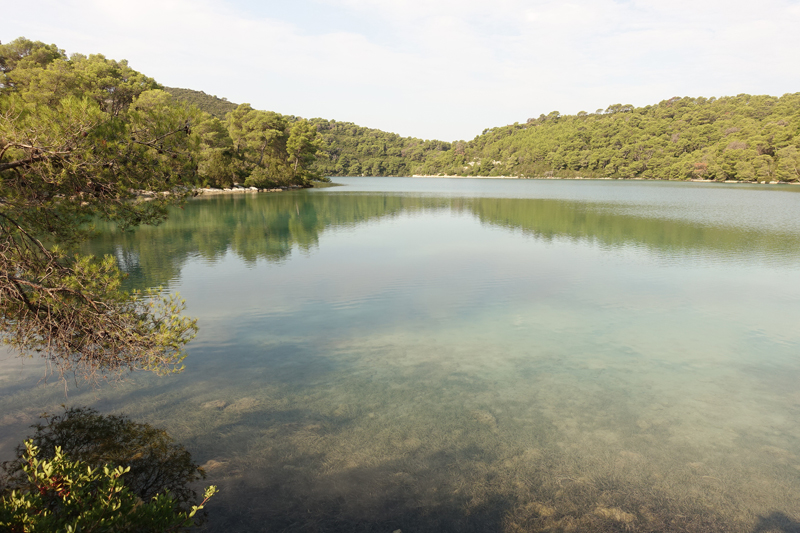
x,y
242,404
214,404
541,509
486,418
614,513
212,465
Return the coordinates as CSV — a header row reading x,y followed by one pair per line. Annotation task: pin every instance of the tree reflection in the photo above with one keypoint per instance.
x,y
269,226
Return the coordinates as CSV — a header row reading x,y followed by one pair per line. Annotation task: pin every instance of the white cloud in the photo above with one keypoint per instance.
x,y
444,68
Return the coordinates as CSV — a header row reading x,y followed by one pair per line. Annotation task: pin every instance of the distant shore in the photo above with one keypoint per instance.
x,y
604,179
207,191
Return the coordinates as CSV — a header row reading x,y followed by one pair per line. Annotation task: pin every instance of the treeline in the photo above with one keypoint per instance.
x,y
247,146
345,149
257,148
350,150
742,138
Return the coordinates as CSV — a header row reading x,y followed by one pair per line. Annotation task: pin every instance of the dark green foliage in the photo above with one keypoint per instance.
x,y
214,106
157,464
741,138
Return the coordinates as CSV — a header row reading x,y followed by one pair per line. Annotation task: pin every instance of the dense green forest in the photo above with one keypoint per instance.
x,y
350,150
224,143
345,149
742,138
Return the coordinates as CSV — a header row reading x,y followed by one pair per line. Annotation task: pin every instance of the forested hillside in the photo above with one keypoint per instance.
x,y
744,138
53,106
351,150
213,105
741,138
345,149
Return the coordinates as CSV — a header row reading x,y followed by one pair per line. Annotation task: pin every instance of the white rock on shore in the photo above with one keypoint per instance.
x,y
208,190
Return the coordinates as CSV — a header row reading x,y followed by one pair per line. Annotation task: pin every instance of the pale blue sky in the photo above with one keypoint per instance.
x,y
442,69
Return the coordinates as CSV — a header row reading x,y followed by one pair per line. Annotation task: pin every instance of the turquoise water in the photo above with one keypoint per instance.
x,y
475,355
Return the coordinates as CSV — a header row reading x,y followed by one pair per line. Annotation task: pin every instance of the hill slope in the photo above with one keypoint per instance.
x,y
351,150
346,149
214,106
742,138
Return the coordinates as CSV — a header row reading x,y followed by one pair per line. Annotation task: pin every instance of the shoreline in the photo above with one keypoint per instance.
x,y
207,191
212,191
601,179
146,196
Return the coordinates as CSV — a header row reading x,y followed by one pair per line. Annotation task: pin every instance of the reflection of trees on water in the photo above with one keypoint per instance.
x,y
605,225
269,226
264,226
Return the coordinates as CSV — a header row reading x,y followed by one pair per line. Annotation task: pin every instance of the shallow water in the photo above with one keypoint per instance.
x,y
475,355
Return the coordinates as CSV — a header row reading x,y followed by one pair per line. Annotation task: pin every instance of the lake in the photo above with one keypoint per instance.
x,y
474,355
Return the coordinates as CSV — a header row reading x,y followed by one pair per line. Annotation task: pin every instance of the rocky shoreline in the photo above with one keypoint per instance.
x,y
144,196
235,189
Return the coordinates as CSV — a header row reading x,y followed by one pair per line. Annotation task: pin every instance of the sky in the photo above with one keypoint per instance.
x,y
434,69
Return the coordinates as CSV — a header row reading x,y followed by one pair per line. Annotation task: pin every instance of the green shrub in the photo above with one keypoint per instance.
x,y
67,495
154,462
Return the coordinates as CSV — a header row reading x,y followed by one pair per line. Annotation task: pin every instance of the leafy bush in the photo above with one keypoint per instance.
x,y
153,462
66,495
